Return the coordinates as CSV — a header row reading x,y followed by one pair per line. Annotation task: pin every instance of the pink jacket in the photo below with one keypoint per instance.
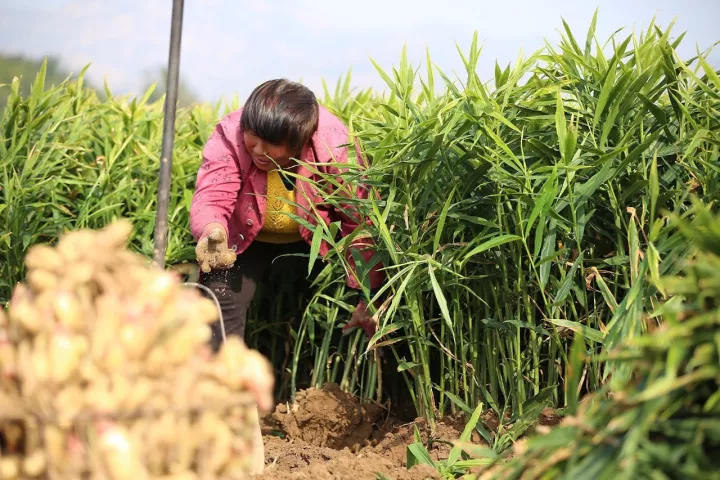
x,y
230,190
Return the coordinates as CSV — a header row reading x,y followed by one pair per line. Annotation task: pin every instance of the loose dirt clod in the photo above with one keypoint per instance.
x,y
328,417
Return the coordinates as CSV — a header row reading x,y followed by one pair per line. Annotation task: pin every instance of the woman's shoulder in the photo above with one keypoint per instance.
x,y
329,123
231,121
228,129
331,134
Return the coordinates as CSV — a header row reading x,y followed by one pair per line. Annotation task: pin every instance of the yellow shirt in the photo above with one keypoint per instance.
x,y
279,227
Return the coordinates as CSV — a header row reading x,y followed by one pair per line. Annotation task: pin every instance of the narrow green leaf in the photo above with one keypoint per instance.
x,y
416,434
567,282
441,221
653,259
315,248
440,297
544,202
495,242
571,38
607,87
465,436
575,369
388,81
591,35
634,252
654,189
666,385
588,332
657,112
560,122
430,76
605,291
568,146
547,249
417,454
709,71
458,402
406,366
531,412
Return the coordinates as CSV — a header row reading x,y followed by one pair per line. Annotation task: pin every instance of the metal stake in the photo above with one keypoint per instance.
x,y
161,219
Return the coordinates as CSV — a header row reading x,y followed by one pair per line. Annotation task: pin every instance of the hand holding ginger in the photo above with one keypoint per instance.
x,y
212,251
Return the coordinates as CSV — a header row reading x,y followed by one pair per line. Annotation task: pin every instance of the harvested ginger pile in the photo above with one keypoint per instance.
x,y
106,372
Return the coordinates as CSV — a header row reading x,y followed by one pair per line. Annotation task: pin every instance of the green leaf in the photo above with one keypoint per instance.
x,y
653,259
709,71
315,248
544,202
548,247
465,436
564,288
406,366
575,367
416,434
385,76
665,385
607,87
418,455
560,123
589,332
441,221
657,112
495,242
477,451
605,291
458,402
442,302
531,411
634,252
654,189
591,35
568,146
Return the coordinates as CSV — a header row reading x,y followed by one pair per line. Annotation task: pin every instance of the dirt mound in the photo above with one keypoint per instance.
x,y
328,434
328,417
300,461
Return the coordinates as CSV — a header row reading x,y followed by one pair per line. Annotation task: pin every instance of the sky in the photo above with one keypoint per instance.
x,y
231,46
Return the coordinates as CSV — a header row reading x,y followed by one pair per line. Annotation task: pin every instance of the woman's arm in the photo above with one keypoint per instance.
x,y
218,182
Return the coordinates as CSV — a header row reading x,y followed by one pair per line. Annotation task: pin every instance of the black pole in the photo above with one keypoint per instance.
x,y
161,219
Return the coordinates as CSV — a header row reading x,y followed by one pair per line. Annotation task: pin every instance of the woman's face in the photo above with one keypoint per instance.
x,y
260,150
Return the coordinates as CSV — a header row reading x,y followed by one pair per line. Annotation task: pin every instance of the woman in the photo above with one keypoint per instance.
x,y
239,214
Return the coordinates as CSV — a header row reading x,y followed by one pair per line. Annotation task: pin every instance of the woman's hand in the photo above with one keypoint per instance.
x,y
212,251
361,318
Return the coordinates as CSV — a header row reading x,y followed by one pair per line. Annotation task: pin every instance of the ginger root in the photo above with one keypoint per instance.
x,y
212,251
97,341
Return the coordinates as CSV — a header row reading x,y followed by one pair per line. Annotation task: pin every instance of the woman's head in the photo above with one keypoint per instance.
x,y
278,119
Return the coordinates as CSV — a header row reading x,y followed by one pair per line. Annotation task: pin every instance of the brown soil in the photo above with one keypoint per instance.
x,y
297,460
328,417
328,434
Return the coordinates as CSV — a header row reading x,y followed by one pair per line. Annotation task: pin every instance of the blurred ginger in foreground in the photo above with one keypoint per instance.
x,y
104,361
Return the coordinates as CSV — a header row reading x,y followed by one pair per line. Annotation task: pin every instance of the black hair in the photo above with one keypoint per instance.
x,y
281,112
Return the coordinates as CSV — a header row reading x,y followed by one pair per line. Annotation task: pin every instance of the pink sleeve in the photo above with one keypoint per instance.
x,y
217,185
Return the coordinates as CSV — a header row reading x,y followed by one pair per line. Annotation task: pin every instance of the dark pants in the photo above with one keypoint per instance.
x,y
235,288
